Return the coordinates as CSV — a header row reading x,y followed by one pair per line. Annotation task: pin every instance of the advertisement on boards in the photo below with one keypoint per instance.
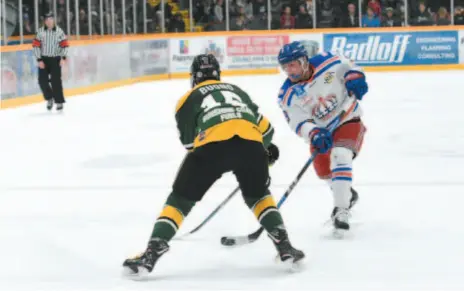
x,y
396,48
28,73
149,57
184,50
96,64
254,51
82,66
461,46
9,74
19,74
111,70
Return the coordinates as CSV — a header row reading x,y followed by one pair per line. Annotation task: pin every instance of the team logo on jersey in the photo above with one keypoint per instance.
x,y
328,77
324,107
201,135
299,90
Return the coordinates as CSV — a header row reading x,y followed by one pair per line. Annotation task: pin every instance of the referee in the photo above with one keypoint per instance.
x,y
51,48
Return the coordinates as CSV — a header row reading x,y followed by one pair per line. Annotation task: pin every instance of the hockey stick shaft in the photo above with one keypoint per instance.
x,y
212,214
255,235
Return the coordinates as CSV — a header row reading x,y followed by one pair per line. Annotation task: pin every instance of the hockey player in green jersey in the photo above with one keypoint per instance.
x,y
223,131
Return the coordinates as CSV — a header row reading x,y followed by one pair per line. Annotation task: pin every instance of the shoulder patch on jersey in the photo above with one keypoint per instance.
x,y
318,59
299,90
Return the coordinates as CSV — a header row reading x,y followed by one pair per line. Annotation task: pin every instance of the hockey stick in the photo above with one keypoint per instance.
x,y
212,214
241,240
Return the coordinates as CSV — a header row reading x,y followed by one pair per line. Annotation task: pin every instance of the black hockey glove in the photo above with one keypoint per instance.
x,y
272,154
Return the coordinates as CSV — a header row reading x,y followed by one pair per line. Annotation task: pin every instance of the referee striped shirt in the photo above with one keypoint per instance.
x,y
50,43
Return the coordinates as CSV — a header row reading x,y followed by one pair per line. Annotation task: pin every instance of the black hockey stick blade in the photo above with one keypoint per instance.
x,y
241,240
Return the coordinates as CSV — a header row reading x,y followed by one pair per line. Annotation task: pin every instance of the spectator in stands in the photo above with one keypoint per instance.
x,y
375,6
177,24
260,9
118,28
459,15
394,3
370,19
443,17
390,19
233,8
61,17
96,23
423,16
218,12
308,5
303,19
400,13
326,14
248,7
276,7
199,14
241,22
157,12
351,19
287,20
83,23
27,26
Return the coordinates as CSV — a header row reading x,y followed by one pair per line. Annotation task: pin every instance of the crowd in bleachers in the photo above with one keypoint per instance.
x,y
304,14
210,15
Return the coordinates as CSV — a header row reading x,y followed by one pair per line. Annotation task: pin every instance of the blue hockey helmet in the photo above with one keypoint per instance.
x,y
292,51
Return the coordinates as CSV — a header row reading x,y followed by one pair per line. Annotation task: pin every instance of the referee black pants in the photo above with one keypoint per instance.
x,y
51,74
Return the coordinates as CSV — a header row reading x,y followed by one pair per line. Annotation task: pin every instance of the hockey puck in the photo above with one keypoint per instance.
x,y
227,241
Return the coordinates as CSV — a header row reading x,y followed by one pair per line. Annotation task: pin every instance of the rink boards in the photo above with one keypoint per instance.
x,y
108,62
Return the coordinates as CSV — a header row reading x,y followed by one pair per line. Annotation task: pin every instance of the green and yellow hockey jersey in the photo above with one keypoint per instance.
x,y
215,111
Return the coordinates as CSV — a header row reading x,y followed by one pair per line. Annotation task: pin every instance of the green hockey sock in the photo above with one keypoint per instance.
x,y
266,211
172,216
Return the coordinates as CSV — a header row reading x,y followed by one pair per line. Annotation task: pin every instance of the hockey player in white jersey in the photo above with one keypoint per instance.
x,y
320,100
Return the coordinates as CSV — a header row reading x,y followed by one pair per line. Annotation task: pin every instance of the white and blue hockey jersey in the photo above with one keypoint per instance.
x,y
318,101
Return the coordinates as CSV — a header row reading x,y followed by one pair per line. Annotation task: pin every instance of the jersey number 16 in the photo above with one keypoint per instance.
x,y
219,98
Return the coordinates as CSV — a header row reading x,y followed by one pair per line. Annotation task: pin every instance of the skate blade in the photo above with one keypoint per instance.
x,y
338,233
290,265
139,275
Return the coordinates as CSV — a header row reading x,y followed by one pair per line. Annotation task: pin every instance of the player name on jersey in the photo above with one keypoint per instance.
x,y
208,88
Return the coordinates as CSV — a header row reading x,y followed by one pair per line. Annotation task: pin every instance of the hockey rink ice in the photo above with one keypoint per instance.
x,y
79,193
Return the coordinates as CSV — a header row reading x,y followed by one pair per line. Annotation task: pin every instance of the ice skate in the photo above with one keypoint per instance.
x,y
340,217
143,264
59,107
49,104
287,254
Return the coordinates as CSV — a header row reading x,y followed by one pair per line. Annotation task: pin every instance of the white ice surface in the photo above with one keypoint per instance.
x,y
79,193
